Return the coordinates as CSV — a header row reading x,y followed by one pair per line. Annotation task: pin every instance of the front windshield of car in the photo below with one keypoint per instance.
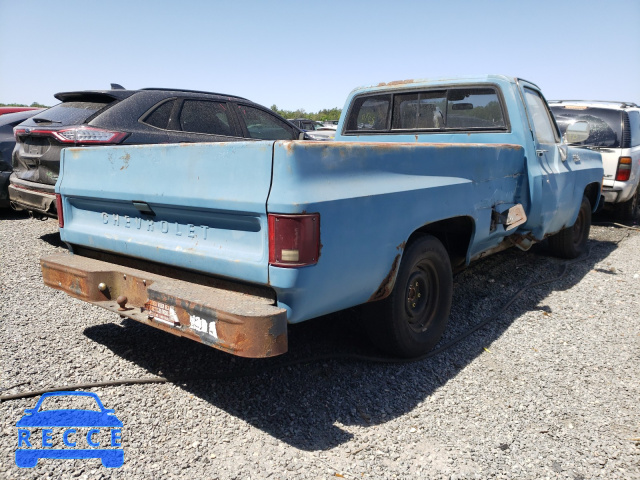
x,y
69,402
605,125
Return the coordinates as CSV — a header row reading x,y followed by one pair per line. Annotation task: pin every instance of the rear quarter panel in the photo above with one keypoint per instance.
x,y
371,197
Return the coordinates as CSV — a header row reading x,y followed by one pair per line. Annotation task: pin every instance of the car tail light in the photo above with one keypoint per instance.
x,y
59,209
624,169
294,240
74,135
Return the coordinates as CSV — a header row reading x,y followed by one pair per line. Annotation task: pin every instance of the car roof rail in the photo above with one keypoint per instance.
x,y
614,102
194,91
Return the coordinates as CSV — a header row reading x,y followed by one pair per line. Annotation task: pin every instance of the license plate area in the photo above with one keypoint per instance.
x,y
35,146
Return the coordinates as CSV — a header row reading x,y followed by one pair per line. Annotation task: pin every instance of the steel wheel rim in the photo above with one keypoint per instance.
x,y
578,228
420,293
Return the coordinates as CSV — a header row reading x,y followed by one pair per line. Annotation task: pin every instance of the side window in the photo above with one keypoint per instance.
x,y
201,116
471,108
422,110
634,123
369,113
544,129
159,117
264,126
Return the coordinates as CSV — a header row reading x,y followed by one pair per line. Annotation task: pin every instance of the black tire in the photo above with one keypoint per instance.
x,y
411,320
628,211
571,242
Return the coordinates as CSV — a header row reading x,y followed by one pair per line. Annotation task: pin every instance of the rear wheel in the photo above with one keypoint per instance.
x,y
628,210
411,320
571,242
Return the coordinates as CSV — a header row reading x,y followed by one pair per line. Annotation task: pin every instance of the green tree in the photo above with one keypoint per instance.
x,y
322,115
34,104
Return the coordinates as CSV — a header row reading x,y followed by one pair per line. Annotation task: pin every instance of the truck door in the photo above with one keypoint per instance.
x,y
554,185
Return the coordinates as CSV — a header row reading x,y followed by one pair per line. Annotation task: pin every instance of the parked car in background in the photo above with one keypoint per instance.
x,y
7,110
304,123
614,131
7,143
314,130
120,116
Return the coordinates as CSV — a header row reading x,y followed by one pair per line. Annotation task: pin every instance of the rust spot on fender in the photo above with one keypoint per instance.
x,y
125,161
288,146
402,246
386,286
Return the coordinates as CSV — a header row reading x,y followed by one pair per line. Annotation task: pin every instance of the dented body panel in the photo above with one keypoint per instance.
x,y
202,209
371,197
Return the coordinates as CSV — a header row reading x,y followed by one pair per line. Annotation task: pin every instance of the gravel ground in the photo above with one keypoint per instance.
x,y
548,389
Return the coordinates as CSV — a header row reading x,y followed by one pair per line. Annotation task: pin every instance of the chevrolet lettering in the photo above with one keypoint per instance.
x,y
189,230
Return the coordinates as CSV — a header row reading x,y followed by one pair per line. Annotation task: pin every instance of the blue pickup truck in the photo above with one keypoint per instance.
x,y
228,243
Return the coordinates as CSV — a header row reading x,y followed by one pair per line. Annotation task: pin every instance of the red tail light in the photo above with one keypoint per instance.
x,y
294,240
59,209
74,135
624,169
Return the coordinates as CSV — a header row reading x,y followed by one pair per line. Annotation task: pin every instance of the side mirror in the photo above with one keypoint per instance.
x,y
302,136
577,132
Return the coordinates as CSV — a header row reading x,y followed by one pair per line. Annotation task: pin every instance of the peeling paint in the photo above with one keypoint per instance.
x,y
395,83
386,287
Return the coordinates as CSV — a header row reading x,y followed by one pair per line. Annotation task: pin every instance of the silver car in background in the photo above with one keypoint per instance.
x,y
614,131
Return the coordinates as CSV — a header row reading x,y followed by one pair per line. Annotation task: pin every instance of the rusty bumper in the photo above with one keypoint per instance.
x,y
238,323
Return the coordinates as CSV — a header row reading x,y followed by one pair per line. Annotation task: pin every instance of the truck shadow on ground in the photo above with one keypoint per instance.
x,y
309,401
10,214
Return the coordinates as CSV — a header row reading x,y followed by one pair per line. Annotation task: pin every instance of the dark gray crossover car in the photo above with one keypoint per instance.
x,y
7,143
120,116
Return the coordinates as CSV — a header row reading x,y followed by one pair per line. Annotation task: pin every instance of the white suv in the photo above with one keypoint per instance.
x,y
614,131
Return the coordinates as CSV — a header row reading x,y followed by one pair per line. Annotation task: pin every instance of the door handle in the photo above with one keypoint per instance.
x,y
541,153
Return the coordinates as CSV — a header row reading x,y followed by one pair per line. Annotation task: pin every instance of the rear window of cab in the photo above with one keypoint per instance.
x,y
447,109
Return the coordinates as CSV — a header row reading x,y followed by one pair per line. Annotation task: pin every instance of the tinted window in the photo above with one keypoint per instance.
x,y
264,126
605,125
474,108
369,113
160,116
200,116
69,113
634,123
542,123
419,110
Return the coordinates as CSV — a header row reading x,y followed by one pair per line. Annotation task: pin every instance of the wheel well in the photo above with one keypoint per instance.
x,y
591,191
454,233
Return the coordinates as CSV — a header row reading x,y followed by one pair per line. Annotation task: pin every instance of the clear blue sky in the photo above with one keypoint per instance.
x,y
310,54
